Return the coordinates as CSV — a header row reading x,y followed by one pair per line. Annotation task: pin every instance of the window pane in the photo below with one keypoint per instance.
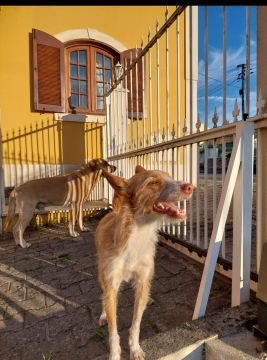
x,y
107,75
82,70
99,88
83,101
74,57
82,57
100,103
74,100
99,75
99,60
107,62
107,87
83,87
74,86
74,71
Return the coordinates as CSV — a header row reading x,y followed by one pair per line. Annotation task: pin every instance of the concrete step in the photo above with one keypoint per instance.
x,y
189,340
240,346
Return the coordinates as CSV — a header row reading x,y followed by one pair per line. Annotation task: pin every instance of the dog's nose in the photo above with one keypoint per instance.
x,y
113,168
187,188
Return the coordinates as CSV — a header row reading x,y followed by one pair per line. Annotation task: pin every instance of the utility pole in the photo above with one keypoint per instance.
x,y
241,76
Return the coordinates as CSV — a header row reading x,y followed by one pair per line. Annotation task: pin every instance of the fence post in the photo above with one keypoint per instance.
x,y
219,224
242,220
107,147
262,133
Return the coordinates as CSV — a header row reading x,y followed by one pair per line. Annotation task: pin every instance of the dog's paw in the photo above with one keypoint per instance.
x,y
25,245
102,320
137,354
74,234
85,228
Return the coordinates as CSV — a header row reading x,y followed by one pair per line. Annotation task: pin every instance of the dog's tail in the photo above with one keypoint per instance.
x,y
11,209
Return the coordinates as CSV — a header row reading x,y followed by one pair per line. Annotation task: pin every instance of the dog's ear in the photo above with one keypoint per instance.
x,y
118,183
90,165
139,169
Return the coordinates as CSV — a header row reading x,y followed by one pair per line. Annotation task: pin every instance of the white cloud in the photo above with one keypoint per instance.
x,y
215,65
235,56
217,98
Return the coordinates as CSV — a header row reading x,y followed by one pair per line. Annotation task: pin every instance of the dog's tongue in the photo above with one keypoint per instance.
x,y
170,209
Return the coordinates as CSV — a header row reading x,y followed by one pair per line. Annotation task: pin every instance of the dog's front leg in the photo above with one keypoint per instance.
x,y
72,221
142,288
26,211
110,303
80,219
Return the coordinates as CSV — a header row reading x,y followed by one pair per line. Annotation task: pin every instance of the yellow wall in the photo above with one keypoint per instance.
x,y
124,23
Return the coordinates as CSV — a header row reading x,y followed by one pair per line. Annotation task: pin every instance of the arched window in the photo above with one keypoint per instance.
x,y
89,71
72,70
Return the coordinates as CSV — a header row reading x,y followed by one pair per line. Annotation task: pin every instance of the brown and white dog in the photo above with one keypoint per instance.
x,y
126,240
70,189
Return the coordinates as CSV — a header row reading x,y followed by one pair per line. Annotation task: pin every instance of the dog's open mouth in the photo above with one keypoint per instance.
x,y
170,209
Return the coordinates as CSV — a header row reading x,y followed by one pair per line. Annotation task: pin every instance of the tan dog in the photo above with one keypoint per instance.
x,y
73,188
126,241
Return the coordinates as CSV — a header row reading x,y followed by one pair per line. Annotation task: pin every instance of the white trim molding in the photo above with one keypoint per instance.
x,y
90,34
100,119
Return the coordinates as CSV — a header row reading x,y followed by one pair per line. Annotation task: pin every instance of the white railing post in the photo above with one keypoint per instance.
x,y
219,225
242,220
107,145
238,180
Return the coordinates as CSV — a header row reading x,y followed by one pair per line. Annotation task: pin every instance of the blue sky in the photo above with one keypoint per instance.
x,y
236,54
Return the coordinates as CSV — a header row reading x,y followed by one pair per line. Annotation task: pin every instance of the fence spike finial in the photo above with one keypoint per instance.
x,y
148,34
236,111
260,103
154,138
173,131
215,118
157,24
166,13
198,123
185,127
163,134
142,42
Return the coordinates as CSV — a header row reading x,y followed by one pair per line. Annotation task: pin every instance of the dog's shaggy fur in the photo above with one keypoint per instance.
x,y
126,241
70,189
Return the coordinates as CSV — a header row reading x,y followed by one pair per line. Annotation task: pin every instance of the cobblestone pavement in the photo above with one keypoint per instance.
x,y
50,297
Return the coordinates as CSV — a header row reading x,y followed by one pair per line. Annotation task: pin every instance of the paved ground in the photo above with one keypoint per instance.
x,y
50,297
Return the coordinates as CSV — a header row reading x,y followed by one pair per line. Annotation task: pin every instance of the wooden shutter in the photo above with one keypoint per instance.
x,y
48,72
125,58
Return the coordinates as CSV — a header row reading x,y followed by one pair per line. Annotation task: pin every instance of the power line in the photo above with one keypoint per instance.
x,y
210,77
220,87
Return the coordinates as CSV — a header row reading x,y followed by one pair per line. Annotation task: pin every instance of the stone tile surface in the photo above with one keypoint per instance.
x,y
50,297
